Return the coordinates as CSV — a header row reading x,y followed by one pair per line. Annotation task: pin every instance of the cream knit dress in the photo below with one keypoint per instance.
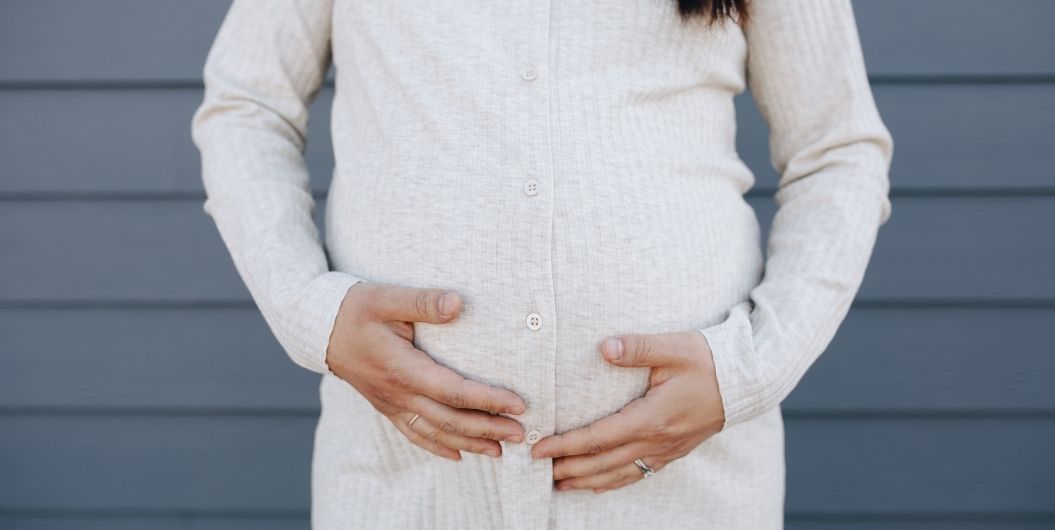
x,y
569,160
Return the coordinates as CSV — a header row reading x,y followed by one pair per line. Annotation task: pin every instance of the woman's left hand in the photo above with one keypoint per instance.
x,y
681,409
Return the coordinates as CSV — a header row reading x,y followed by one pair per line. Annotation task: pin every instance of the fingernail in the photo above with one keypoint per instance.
x,y
613,349
515,438
446,305
492,452
564,487
516,410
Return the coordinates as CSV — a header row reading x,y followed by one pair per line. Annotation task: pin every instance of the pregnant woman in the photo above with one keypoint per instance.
x,y
541,300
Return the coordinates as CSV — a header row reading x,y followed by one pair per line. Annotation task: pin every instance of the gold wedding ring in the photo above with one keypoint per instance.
x,y
412,420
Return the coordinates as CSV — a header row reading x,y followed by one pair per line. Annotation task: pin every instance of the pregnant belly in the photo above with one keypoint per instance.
x,y
589,260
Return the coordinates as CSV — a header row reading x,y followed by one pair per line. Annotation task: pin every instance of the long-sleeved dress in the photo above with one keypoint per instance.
x,y
569,161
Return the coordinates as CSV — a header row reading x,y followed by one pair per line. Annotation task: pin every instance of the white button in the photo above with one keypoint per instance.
x,y
533,437
531,187
534,321
529,73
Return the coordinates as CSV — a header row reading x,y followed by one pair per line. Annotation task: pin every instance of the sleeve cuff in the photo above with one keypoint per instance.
x,y
308,322
740,384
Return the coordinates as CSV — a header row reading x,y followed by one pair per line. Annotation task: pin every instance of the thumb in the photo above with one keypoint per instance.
x,y
413,304
639,350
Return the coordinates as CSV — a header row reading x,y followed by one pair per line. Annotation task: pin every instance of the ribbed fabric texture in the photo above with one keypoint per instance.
x,y
571,159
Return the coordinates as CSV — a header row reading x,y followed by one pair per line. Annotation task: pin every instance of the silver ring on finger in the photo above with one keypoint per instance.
x,y
644,468
412,420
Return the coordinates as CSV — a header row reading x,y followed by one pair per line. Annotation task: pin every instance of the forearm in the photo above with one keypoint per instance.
x,y
833,153
263,71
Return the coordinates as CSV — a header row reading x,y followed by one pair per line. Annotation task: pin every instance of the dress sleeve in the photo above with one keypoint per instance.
x,y
806,73
264,69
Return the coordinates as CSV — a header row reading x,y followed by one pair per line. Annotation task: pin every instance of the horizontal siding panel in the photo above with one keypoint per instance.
x,y
835,467
946,137
152,463
882,360
215,358
170,251
138,140
956,37
171,39
928,465
937,359
142,250
900,37
964,248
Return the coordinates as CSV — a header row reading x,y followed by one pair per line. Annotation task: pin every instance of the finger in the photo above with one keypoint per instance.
x,y
447,386
413,304
432,433
658,349
401,421
655,462
629,424
622,482
624,474
470,423
597,464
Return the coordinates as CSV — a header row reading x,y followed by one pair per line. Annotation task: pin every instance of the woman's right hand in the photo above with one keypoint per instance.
x,y
371,347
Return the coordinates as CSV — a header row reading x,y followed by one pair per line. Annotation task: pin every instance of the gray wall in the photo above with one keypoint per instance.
x,y
139,387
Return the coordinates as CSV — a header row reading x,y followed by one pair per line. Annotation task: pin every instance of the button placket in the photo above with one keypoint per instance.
x,y
531,486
